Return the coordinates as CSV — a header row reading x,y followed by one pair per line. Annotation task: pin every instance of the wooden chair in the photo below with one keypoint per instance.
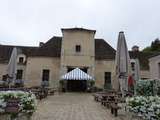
x,y
114,109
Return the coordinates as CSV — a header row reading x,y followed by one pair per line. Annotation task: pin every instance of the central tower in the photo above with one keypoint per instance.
x,y
78,50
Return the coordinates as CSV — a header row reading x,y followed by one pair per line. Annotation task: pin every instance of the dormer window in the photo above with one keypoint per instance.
x,y
78,48
21,60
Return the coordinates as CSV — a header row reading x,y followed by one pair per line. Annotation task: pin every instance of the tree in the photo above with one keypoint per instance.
x,y
155,46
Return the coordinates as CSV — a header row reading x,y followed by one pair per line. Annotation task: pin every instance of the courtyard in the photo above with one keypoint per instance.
x,y
72,106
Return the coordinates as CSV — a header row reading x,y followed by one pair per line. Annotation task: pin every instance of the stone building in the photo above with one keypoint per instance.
x,y
154,63
77,48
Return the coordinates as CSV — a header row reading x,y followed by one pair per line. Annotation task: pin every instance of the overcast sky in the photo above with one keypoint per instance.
x,y
27,22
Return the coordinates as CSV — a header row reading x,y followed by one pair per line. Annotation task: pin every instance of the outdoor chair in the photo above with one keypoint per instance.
x,y
51,91
42,93
114,109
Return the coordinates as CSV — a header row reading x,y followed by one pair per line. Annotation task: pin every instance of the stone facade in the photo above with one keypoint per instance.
x,y
100,68
59,54
35,66
3,70
85,58
154,64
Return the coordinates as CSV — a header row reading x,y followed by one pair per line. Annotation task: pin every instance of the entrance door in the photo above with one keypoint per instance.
x,y
76,85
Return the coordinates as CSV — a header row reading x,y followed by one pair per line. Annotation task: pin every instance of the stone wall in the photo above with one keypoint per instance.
x,y
144,74
35,66
84,58
3,70
101,67
154,64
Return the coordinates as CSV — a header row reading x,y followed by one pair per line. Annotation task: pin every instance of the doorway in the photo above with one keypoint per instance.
x,y
76,85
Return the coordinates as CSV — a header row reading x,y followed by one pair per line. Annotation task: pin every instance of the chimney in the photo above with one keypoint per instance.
x,y
135,48
41,44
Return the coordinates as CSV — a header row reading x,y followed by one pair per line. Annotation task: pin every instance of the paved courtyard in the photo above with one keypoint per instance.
x,y
72,106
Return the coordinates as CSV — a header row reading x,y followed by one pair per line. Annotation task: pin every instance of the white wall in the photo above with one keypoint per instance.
x,y
154,67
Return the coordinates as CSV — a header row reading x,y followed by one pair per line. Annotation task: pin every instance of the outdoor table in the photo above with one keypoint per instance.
x,y
98,96
108,98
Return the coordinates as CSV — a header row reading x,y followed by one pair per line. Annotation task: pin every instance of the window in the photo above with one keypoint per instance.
x,y
78,48
4,77
45,75
21,59
133,66
19,74
107,80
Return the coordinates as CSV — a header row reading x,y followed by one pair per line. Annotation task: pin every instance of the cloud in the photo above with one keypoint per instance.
x,y
26,22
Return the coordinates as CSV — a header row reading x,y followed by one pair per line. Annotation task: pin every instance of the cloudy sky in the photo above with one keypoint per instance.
x,y
27,22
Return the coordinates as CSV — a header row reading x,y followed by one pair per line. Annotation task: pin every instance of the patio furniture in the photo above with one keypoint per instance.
x,y
51,91
42,93
19,83
108,99
114,108
98,96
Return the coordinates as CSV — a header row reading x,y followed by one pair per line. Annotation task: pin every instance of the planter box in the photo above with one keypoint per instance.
x,y
5,117
12,106
20,116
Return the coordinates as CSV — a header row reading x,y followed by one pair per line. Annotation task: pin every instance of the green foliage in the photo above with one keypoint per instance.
x,y
27,104
146,106
147,49
148,87
155,46
144,87
92,83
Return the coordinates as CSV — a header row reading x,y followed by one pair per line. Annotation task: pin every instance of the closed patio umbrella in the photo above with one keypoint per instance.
x,y
137,70
137,74
122,63
12,66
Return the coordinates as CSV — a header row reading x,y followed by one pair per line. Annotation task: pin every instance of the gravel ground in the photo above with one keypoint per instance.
x,y
73,106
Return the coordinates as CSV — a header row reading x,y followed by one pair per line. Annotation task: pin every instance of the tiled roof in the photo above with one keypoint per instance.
x,y
103,50
52,48
78,29
6,50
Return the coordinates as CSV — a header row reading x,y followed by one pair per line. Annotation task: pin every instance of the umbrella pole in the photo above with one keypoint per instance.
x,y
9,84
121,88
135,87
9,80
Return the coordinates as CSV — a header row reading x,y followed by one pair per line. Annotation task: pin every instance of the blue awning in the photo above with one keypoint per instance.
x,y
76,74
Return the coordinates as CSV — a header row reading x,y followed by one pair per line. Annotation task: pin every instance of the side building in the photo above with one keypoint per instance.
x,y
154,63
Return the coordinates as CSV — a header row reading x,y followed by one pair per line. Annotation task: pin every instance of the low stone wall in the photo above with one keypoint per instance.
x,y
21,116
